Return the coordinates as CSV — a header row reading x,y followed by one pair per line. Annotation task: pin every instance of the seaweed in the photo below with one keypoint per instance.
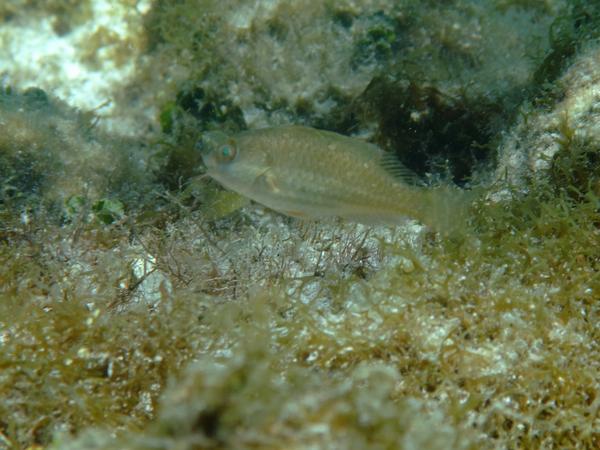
x,y
576,25
384,38
575,167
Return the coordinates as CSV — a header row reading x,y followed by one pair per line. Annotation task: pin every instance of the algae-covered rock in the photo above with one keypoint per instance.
x,y
54,158
563,138
240,401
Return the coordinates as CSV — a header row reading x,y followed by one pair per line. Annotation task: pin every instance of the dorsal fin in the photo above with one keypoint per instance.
x,y
395,168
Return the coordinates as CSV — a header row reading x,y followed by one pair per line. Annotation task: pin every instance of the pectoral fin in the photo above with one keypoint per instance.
x,y
267,181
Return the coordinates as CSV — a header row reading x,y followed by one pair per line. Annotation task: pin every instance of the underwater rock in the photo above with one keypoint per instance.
x,y
54,157
569,125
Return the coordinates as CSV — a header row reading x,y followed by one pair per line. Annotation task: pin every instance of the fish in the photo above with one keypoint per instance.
x,y
311,173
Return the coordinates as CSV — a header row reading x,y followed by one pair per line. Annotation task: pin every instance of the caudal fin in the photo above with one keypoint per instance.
x,y
448,209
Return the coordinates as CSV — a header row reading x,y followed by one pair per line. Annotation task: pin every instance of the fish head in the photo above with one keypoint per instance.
x,y
229,162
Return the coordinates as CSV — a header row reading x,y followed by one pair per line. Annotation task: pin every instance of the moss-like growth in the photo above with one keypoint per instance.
x,y
575,168
383,38
578,24
51,155
25,163
216,405
68,361
269,62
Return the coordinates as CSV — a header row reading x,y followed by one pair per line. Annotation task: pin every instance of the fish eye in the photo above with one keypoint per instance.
x,y
227,152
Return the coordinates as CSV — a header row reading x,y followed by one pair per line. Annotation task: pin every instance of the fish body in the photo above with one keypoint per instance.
x,y
305,172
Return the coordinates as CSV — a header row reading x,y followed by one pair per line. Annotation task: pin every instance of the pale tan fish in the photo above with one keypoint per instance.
x,y
305,172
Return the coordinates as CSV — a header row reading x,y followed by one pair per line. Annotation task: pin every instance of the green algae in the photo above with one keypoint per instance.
x,y
68,361
50,154
24,166
577,25
575,168
108,210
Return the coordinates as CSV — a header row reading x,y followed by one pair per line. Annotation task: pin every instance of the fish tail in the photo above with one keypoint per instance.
x,y
447,209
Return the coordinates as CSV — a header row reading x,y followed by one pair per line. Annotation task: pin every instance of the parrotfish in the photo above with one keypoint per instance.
x,y
310,173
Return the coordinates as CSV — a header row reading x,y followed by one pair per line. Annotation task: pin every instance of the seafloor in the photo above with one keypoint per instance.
x,y
144,307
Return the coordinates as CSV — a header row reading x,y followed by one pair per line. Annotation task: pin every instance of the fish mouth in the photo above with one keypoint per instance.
x,y
205,150
203,146
210,164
